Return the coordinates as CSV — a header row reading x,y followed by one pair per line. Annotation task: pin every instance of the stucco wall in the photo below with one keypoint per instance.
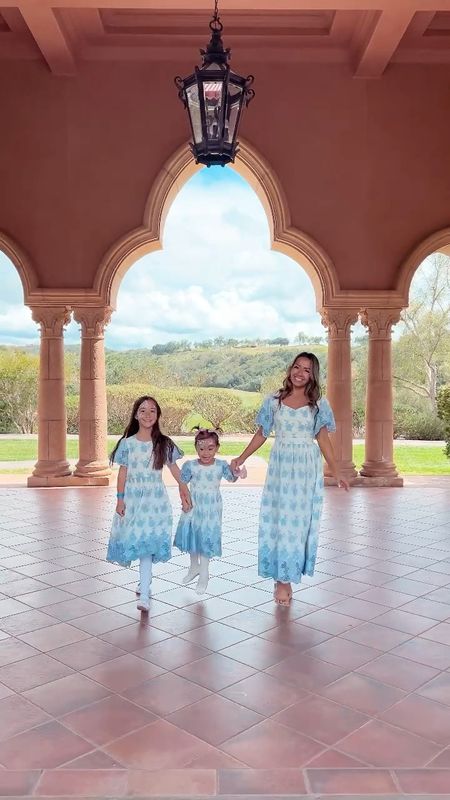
x,y
365,165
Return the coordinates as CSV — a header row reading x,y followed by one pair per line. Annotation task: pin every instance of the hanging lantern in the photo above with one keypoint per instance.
x,y
214,97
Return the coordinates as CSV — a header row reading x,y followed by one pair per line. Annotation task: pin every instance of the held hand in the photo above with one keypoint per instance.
x,y
343,484
186,505
235,465
240,472
185,496
120,508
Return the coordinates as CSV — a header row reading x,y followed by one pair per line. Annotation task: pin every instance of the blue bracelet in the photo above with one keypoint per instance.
x,y
120,495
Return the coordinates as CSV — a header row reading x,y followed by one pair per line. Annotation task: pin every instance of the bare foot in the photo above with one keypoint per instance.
x,y
282,593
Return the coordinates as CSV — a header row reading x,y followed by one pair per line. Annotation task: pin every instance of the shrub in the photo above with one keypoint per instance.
x,y
242,421
73,413
216,407
412,424
358,422
173,417
175,404
443,406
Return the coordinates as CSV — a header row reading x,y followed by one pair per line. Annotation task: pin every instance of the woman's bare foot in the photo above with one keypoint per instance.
x,y
282,593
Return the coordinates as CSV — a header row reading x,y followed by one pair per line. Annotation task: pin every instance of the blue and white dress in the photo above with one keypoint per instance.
x,y
146,528
200,529
292,499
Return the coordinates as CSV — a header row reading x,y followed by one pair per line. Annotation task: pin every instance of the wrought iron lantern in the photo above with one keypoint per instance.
x,y
214,97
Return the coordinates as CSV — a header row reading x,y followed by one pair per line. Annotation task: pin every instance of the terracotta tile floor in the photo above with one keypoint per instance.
x,y
346,694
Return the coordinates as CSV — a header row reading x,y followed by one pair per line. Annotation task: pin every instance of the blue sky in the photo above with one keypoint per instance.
x,y
216,276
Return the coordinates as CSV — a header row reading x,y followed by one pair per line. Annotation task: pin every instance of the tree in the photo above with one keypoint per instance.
x,y
216,407
19,373
306,338
271,383
443,406
422,354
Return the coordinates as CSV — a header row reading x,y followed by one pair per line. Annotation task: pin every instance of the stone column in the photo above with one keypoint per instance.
x,y
338,322
379,455
92,467
52,467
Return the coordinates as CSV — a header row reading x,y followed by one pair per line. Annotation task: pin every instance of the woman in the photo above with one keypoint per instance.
x,y
292,498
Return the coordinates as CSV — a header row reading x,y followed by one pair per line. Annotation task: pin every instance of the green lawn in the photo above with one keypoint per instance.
x,y
414,460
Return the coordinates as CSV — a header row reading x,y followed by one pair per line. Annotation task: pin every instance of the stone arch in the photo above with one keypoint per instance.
x,y
175,173
436,242
22,264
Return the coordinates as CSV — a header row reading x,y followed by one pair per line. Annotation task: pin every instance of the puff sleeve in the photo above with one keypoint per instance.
x,y
186,472
324,417
121,455
176,454
265,415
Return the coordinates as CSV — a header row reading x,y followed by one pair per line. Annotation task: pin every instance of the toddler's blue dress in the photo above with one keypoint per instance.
x,y
292,499
200,529
146,528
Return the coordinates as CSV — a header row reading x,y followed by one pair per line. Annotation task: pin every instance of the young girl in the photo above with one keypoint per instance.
x,y
142,525
292,498
199,531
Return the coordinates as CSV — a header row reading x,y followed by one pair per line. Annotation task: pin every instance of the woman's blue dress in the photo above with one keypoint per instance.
x,y
146,528
292,498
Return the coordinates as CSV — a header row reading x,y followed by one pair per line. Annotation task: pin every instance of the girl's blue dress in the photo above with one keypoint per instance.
x,y
292,498
146,528
200,530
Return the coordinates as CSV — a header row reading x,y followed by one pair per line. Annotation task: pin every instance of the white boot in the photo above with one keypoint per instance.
x,y
203,575
145,574
193,570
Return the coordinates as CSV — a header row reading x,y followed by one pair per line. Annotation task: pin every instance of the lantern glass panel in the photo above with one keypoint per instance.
x,y
235,99
212,92
194,112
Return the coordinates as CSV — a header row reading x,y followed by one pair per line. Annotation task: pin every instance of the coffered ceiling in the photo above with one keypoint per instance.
x,y
366,34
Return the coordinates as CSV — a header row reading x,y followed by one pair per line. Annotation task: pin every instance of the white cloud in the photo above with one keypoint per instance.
x,y
216,276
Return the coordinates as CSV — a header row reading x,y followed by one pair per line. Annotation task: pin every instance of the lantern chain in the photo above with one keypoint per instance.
x,y
215,24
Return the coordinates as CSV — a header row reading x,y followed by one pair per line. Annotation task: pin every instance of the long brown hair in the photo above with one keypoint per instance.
x,y
162,444
312,388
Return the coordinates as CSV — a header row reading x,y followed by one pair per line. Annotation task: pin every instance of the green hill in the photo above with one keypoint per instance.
x,y
244,368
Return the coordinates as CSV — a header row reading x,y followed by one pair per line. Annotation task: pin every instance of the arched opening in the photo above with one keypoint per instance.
x,y
214,308
421,350
19,353
284,238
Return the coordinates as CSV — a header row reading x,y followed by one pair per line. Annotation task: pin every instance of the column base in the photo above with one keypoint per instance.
x,y
92,469
378,469
346,468
52,469
38,481
369,482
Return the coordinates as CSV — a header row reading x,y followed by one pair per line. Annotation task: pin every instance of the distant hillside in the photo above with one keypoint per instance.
x,y
247,368
243,368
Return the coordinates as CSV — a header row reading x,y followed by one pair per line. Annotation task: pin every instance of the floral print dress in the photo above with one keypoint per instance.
x,y
146,528
200,529
292,498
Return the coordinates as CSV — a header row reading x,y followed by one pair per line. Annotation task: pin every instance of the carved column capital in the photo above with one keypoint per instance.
x,y
338,321
52,320
379,321
93,321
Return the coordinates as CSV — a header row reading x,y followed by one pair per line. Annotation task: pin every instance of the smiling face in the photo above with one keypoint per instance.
x,y
301,372
147,414
206,450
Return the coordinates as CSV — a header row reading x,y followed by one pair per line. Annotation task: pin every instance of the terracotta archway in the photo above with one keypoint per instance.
x,y
172,177
22,264
436,242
